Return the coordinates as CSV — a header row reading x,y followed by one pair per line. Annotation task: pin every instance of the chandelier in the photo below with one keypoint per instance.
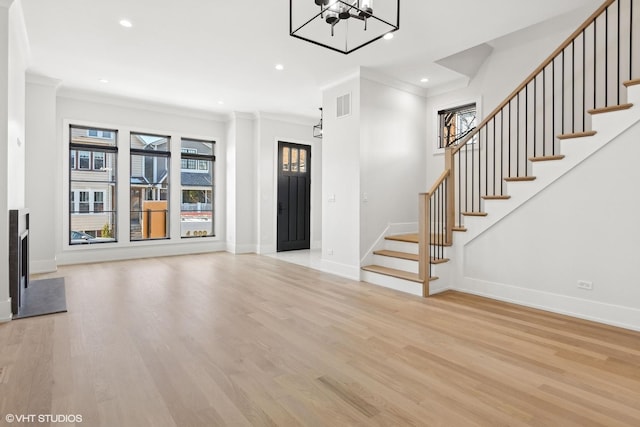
x,y
343,25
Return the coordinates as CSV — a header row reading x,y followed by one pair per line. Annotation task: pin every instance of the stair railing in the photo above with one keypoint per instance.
x,y
432,229
582,76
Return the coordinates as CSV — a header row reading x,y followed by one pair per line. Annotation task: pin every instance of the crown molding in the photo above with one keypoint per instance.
x,y
42,80
457,84
125,102
341,80
289,118
369,74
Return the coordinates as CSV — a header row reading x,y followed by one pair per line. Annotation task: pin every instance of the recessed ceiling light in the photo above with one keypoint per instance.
x,y
279,67
125,23
388,36
105,81
221,102
424,80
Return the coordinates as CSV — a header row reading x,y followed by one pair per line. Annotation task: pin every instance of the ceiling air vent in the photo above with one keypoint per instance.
x,y
343,107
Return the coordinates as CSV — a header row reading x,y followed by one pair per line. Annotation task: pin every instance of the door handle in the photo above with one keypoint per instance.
x,y
280,208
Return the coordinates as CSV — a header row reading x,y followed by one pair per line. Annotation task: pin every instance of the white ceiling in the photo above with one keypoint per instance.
x,y
195,53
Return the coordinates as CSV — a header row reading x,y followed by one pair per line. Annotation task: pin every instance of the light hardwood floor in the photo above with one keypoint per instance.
x,y
217,339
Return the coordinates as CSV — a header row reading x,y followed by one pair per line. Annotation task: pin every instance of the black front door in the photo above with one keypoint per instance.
x,y
294,196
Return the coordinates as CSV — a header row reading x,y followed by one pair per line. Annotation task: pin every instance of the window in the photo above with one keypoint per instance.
x,y
188,163
96,133
98,161
149,186
98,202
83,202
84,160
92,186
455,123
196,209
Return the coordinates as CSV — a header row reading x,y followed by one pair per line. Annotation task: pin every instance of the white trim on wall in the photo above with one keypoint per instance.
x,y
314,190
124,248
457,103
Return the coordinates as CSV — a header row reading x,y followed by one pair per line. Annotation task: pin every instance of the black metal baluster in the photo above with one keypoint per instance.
x,y
473,177
573,86
562,131
535,112
509,146
466,178
595,57
494,155
526,126
618,47
606,57
584,80
630,39
544,108
518,134
553,106
502,152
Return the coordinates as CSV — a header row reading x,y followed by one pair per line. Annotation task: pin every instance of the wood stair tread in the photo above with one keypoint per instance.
x,y
413,238
400,274
474,213
397,254
546,158
410,238
577,134
496,197
439,260
460,229
519,178
609,109
632,82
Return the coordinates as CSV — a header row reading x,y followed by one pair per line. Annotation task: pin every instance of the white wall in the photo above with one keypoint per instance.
x,y
241,163
125,115
270,130
584,227
13,56
41,148
18,56
341,182
392,149
5,302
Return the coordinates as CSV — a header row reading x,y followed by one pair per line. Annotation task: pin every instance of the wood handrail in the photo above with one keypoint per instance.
x,y
535,73
439,182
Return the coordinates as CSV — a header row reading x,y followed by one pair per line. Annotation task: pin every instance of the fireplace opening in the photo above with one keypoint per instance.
x,y
18,257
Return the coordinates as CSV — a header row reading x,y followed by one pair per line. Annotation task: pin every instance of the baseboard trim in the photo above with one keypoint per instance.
x,y
5,311
43,266
609,314
241,249
342,270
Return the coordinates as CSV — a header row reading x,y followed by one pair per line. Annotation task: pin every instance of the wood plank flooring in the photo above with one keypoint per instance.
x,y
224,340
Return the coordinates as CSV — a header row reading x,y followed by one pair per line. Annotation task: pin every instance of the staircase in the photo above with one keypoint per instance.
x,y
580,98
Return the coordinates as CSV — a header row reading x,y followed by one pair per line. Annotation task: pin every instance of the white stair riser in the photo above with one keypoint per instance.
x,y
394,245
396,263
401,285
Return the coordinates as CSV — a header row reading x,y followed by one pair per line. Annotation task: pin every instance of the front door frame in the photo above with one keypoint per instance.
x,y
309,148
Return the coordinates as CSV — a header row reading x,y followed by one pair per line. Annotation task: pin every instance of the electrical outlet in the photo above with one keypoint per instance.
x,y
329,251
583,284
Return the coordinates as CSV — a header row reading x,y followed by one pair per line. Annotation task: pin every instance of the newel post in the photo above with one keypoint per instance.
x,y
424,241
450,217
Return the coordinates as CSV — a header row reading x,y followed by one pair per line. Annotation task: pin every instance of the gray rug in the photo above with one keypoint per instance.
x,y
45,296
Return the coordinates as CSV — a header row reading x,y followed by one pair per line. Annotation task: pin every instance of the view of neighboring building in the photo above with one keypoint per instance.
x,y
93,184
92,194
149,209
196,208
